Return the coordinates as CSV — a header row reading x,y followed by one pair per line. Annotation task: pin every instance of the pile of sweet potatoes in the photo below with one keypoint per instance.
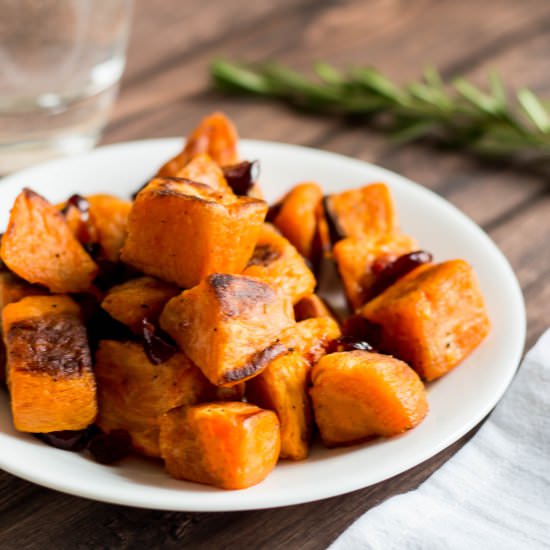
x,y
184,325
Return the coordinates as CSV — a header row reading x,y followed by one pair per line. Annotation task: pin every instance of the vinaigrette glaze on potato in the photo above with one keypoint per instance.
x,y
191,325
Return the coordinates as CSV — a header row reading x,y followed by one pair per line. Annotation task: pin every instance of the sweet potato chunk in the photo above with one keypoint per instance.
x,y
216,136
182,238
282,388
365,212
228,325
228,445
137,299
432,318
277,262
49,367
311,306
297,218
310,338
133,393
359,261
358,395
203,169
39,247
13,289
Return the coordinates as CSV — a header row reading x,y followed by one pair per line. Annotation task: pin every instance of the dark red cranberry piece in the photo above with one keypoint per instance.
x,y
348,343
361,330
111,447
68,440
393,271
241,177
80,203
157,344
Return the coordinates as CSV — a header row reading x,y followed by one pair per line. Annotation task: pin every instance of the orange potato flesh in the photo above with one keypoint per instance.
x,y
311,337
432,318
182,238
13,289
297,218
362,213
277,262
311,306
39,247
133,393
358,395
356,259
215,135
282,388
49,368
134,300
228,445
110,217
203,169
228,325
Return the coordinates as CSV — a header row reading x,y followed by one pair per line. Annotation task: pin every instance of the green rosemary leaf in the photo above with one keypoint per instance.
x,y
534,109
460,115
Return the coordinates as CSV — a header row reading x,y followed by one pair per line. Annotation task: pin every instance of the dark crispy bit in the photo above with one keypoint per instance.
x,y
242,176
111,447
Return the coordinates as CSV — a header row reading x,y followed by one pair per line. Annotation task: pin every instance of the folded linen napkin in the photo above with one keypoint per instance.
x,y
494,493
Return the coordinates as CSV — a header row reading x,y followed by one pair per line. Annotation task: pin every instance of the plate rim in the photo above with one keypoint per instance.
x,y
319,493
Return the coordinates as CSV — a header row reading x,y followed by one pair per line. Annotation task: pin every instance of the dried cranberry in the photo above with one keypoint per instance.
x,y
80,203
111,447
393,271
241,177
348,343
157,344
361,330
68,440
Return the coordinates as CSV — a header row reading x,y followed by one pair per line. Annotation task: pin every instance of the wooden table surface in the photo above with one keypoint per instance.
x,y
166,90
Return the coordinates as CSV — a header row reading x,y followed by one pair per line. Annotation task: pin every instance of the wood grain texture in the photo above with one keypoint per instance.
x,y
165,90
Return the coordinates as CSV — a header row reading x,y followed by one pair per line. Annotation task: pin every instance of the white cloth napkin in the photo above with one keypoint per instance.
x,y
494,493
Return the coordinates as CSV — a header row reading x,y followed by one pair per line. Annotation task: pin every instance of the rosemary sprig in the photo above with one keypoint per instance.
x,y
458,113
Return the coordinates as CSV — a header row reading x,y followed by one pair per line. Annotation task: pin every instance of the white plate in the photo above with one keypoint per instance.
x,y
457,402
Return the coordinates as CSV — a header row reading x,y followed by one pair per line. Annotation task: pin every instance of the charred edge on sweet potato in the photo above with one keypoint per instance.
x,y
54,344
336,232
164,189
257,363
264,254
239,297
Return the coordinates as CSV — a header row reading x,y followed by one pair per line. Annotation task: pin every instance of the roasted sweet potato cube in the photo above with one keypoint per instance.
x,y
360,260
365,212
228,325
49,368
297,216
277,262
13,289
311,306
358,395
133,393
138,299
310,338
110,217
215,135
282,388
182,238
40,247
203,169
432,318
228,445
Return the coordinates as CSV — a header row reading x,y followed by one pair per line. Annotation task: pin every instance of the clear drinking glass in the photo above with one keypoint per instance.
x,y
60,65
